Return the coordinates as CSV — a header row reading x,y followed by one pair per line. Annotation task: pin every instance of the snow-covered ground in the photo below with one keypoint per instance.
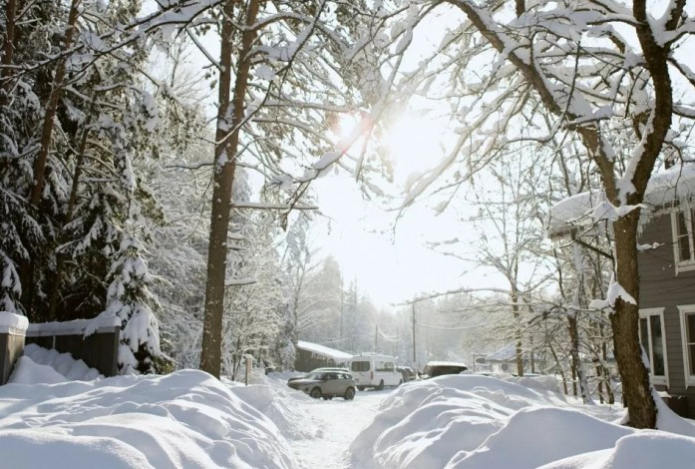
x,y
190,420
338,423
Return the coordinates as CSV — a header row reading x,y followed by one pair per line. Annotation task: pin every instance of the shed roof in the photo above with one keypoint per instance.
x,y
665,188
336,355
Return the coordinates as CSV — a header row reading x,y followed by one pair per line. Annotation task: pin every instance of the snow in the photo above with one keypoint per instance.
x,y
665,188
76,326
189,419
444,363
27,371
327,160
471,421
62,363
336,355
186,419
12,321
648,449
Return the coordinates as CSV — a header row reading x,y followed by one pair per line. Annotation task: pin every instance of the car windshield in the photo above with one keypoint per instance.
x,y
315,375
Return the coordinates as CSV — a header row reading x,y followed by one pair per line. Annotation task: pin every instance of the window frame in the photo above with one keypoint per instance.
x,y
683,311
646,314
689,265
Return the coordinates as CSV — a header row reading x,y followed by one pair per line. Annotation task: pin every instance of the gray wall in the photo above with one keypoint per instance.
x,y
660,287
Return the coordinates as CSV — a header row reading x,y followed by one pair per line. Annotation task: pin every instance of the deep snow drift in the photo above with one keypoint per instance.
x,y
186,419
470,421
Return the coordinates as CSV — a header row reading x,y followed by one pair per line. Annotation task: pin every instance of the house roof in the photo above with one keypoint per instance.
x,y
665,188
505,354
336,355
443,363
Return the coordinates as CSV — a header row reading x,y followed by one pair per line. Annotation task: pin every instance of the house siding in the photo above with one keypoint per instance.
x,y
660,287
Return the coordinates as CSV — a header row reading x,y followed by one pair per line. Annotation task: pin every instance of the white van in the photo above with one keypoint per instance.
x,y
372,370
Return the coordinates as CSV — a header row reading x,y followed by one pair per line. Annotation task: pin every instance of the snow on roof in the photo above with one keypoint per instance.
x,y
443,363
506,353
665,188
336,355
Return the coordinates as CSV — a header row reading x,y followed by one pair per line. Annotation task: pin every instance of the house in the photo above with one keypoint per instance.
x,y
666,261
504,360
310,356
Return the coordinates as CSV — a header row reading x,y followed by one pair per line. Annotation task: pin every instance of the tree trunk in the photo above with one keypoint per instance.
x,y
625,321
225,166
518,347
26,269
60,263
7,57
576,359
559,367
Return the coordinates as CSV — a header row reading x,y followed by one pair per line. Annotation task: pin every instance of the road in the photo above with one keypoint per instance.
x,y
339,422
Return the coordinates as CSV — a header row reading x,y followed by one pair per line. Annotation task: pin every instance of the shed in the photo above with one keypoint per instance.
x,y
310,356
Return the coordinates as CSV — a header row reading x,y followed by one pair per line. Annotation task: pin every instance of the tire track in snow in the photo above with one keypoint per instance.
x,y
337,422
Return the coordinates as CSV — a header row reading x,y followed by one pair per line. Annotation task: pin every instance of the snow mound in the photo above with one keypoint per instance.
x,y
27,371
645,449
424,424
559,433
187,419
481,422
63,363
279,404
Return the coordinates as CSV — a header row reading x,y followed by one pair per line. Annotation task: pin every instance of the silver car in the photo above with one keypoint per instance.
x,y
326,384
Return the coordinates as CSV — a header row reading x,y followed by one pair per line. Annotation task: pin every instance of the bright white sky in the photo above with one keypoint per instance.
x,y
395,265
391,260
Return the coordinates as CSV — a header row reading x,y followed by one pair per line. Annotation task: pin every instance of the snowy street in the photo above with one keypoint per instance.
x,y
188,419
338,423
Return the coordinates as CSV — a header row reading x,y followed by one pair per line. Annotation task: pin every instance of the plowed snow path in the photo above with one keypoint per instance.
x,y
338,423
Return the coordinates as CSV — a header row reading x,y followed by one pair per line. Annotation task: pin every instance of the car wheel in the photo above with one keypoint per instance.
x,y
349,394
315,393
381,385
361,388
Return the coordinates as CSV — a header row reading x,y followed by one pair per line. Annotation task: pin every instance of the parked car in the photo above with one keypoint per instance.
x,y
317,370
437,368
408,373
326,384
373,370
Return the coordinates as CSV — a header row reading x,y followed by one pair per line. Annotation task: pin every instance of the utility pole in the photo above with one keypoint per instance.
x,y
414,345
376,335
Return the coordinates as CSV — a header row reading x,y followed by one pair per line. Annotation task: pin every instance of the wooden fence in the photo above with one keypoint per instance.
x,y
98,350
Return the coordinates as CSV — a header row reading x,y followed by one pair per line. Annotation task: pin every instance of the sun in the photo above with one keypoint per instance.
x,y
414,142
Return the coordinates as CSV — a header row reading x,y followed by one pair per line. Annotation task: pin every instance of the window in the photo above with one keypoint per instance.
x,y
688,330
683,224
652,339
359,366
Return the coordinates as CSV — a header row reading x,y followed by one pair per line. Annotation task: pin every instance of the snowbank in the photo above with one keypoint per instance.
x,y
644,449
186,419
27,371
282,405
471,421
63,363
